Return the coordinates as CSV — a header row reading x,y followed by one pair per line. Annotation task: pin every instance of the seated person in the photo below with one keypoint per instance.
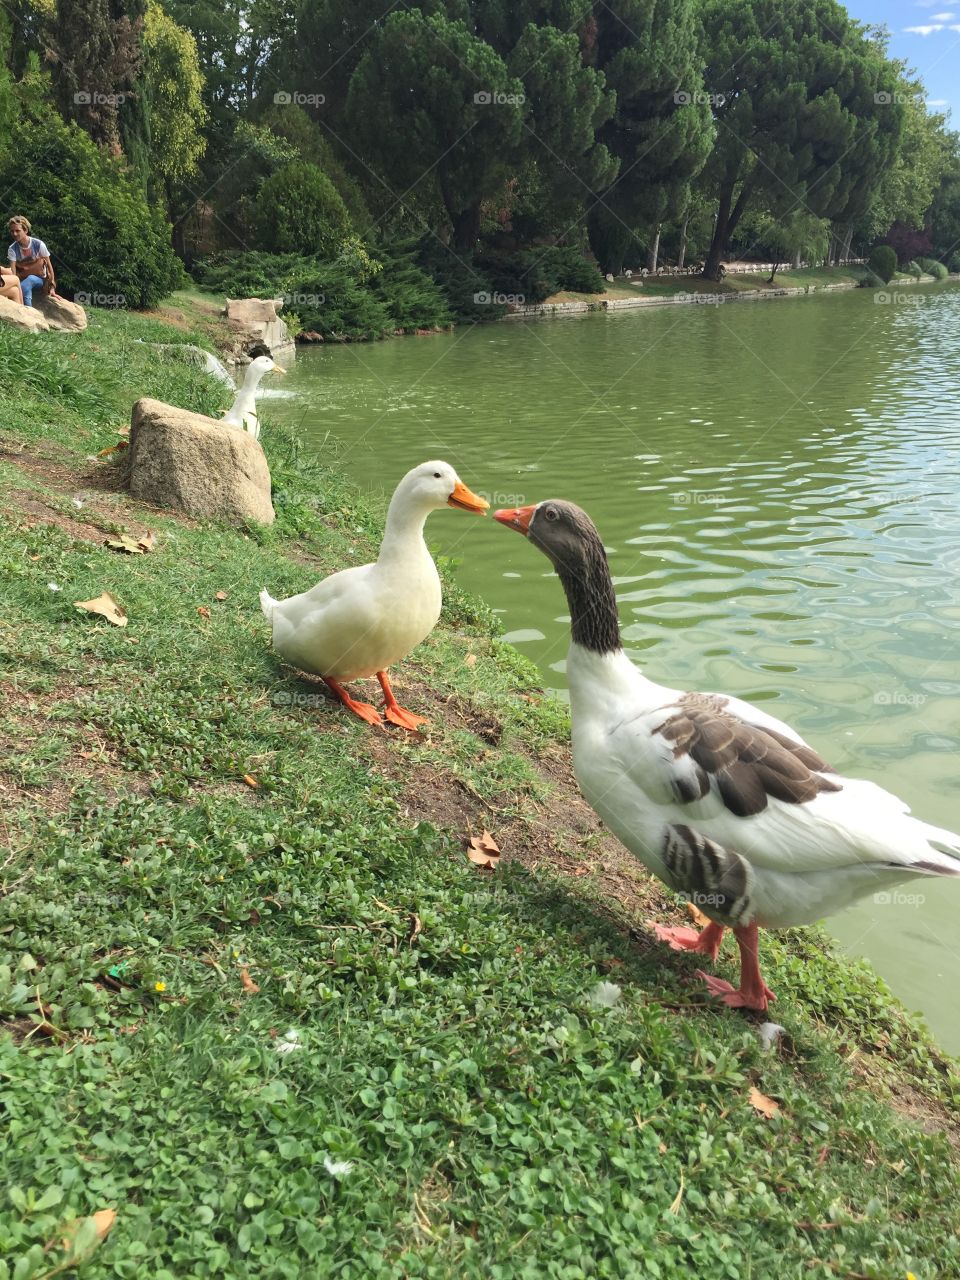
x,y
30,258
10,287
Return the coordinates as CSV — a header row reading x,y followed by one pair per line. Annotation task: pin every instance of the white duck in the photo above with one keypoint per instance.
x,y
243,412
727,805
360,621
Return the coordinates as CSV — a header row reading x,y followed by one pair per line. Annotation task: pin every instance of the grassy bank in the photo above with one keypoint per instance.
x,y
254,997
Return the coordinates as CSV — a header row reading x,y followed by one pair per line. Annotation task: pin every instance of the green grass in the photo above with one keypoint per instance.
x,y
496,1120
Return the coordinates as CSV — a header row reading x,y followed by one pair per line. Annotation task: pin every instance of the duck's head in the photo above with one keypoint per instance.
x,y
435,484
258,367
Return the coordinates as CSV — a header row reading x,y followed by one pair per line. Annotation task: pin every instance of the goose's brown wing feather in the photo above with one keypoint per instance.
x,y
750,764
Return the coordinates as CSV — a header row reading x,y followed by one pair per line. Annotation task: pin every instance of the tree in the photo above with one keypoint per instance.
x,y
94,46
298,210
567,103
805,109
173,86
800,234
945,209
882,262
660,132
455,114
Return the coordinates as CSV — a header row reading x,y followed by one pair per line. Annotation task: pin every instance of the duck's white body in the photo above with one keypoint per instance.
x,y
803,860
361,621
242,414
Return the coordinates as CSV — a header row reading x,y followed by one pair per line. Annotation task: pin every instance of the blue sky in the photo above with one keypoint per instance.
x,y
926,33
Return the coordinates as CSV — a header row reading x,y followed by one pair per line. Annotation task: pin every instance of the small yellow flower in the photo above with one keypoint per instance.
x,y
911,1276
159,986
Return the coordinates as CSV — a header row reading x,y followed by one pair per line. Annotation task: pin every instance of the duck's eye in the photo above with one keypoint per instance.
x,y
436,475
551,513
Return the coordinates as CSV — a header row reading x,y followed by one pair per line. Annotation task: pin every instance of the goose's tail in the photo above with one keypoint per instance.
x,y
267,603
944,847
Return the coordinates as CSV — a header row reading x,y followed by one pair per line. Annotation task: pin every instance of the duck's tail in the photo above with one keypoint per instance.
x,y
266,604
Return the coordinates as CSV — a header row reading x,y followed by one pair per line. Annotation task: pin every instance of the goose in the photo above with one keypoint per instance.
x,y
727,805
360,621
243,412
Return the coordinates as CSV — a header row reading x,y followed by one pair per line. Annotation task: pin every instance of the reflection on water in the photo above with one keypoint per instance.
x,y
778,488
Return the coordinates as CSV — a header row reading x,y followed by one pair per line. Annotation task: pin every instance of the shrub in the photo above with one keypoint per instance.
x,y
90,211
299,210
913,269
252,274
534,274
332,302
463,282
411,298
882,262
931,267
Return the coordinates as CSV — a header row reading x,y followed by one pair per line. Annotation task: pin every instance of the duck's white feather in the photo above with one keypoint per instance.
x,y
804,859
363,620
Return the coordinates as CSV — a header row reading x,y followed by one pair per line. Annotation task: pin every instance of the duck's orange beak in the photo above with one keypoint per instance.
x,y
467,500
516,517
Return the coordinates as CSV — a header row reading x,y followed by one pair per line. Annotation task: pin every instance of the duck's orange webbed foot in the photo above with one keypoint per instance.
x,y
705,942
362,709
393,710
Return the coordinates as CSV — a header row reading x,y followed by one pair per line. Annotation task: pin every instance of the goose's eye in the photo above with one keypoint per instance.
x,y
551,513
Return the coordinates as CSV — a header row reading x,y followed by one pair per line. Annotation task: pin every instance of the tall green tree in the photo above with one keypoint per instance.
x,y
455,114
805,109
660,132
94,48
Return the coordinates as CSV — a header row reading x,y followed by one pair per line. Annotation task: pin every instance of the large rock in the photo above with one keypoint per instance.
x,y
28,318
61,314
256,320
196,465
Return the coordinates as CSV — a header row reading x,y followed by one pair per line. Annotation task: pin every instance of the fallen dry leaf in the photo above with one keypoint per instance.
x,y
222,595
678,1198
250,780
483,850
130,545
114,448
581,871
248,984
760,1102
102,1220
416,926
106,607
470,660
696,915
148,541
203,611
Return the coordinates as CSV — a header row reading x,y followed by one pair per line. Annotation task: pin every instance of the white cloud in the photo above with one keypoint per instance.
x,y
937,102
941,17
925,31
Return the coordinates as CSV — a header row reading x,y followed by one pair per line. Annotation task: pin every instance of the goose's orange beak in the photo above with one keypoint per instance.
x,y
467,500
516,517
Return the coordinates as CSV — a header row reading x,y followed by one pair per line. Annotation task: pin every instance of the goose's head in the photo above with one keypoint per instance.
x,y
569,538
435,484
258,367
563,532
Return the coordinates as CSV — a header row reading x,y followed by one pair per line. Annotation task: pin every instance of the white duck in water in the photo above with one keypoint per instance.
x,y
243,412
360,621
724,803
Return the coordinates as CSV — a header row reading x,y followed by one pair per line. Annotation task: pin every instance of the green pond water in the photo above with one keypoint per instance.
x,y
778,486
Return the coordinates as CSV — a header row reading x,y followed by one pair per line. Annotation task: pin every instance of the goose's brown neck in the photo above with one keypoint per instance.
x,y
594,623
